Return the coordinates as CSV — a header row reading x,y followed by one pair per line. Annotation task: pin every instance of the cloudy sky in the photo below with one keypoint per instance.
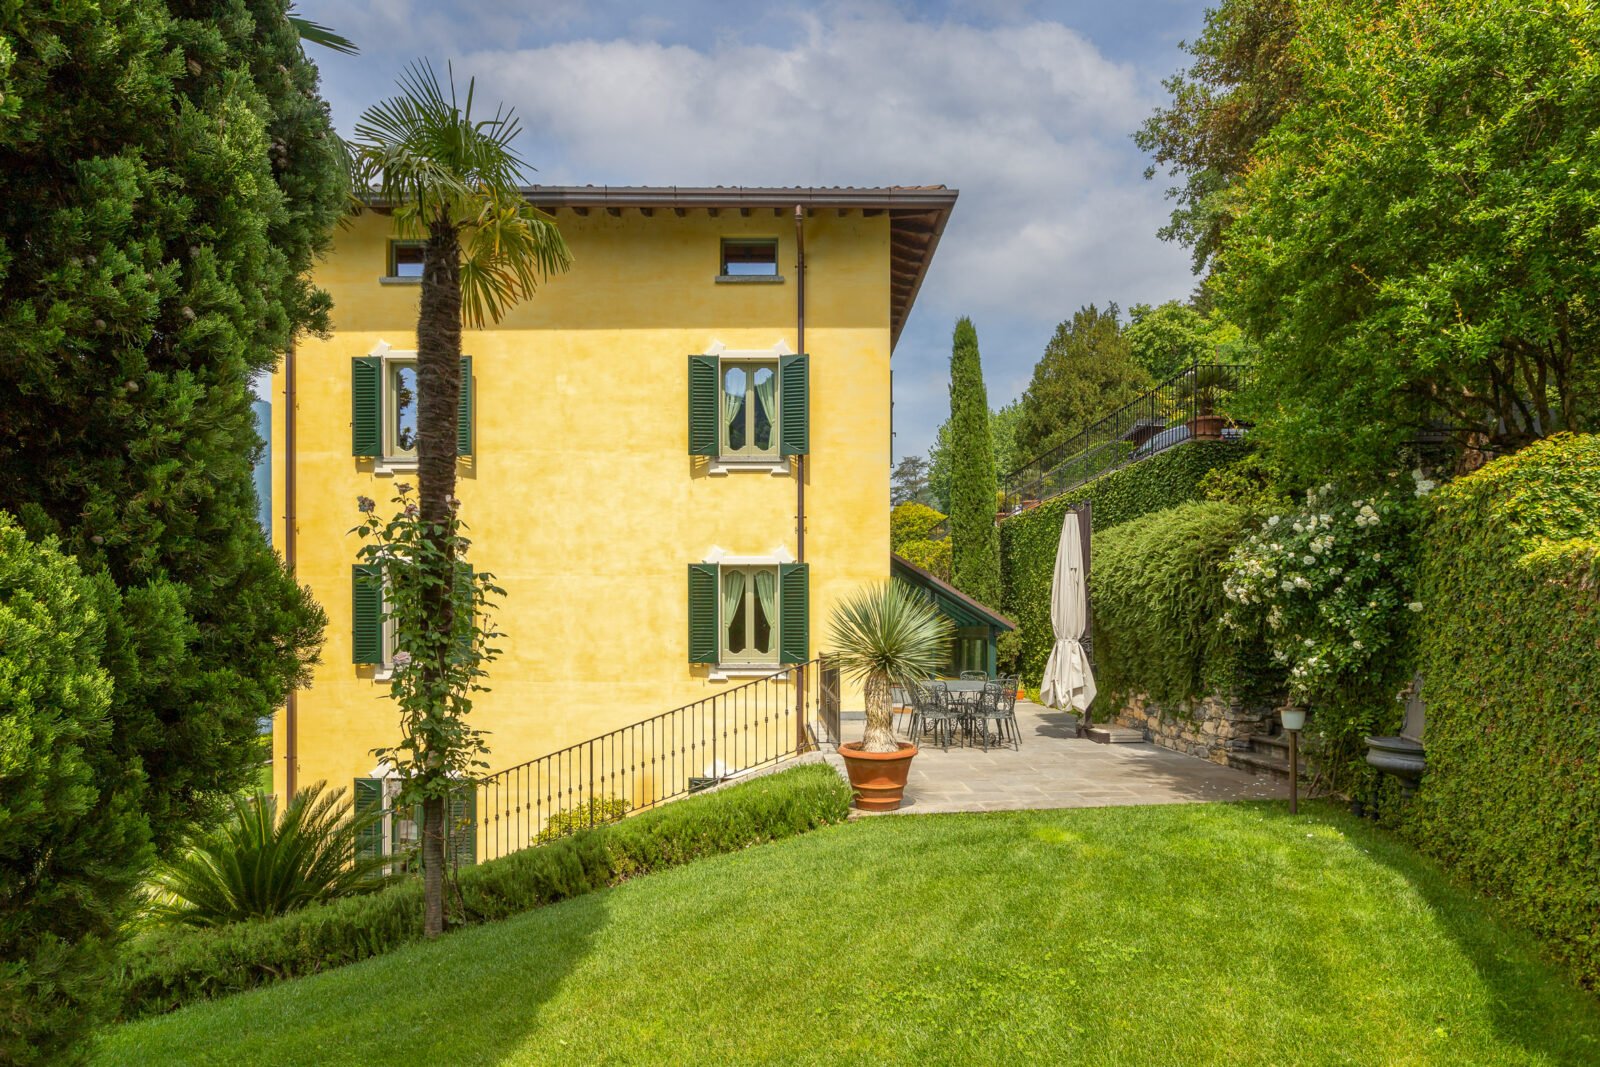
x,y
1026,108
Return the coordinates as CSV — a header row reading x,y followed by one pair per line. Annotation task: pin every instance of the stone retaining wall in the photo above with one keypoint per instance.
x,y
1209,728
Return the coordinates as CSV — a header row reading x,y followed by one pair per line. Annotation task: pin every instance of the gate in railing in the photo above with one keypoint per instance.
x,y
759,723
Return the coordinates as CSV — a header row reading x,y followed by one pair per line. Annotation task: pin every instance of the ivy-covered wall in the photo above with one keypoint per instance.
x,y
1028,541
1510,659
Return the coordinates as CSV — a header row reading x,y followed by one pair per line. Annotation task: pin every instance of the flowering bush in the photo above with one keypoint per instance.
x,y
1332,583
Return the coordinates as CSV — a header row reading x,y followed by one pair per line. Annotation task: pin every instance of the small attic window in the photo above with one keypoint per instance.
x,y
750,260
405,260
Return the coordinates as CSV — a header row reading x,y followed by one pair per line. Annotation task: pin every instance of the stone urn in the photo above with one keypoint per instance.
x,y
1402,755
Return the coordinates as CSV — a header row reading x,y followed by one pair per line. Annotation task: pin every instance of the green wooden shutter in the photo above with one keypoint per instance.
x,y
366,406
366,614
705,406
794,406
703,597
464,410
369,801
794,613
464,825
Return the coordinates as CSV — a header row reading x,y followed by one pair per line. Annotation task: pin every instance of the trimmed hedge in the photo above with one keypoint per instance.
x,y
1510,659
1157,590
1028,541
165,969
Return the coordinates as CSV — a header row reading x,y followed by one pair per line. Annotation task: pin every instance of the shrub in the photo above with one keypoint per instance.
x,y
1028,541
912,521
1157,589
596,812
1509,648
71,839
168,968
260,863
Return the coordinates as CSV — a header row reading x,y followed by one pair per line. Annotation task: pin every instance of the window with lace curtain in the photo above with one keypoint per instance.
x,y
749,410
749,613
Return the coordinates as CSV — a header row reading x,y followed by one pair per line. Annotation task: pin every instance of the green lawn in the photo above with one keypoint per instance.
x,y
1210,934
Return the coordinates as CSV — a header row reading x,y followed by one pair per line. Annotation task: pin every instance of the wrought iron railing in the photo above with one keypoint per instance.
x,y
756,724
1190,405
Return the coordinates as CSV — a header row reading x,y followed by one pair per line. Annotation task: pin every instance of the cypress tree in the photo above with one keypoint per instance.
x,y
974,486
167,173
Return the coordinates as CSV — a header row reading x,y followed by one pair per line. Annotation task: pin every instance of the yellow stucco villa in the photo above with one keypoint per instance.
x,y
675,459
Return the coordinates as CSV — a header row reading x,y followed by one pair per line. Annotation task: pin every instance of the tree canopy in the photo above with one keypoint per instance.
x,y
1087,371
1245,75
1415,243
1168,337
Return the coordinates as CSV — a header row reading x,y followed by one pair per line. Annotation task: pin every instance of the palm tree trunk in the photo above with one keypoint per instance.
x,y
438,400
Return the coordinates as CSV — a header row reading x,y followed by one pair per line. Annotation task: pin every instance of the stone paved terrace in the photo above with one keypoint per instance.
x,y
1055,769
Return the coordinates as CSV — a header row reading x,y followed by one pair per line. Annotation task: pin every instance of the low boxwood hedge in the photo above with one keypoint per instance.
x,y
165,969
1509,648
1028,541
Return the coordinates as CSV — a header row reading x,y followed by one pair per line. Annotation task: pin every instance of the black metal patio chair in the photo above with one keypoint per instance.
x,y
1005,710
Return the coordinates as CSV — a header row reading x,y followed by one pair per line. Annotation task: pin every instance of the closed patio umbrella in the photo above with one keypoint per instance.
x,y
1068,681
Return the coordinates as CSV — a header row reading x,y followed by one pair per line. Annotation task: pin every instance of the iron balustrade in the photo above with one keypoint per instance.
x,y
756,724
1190,405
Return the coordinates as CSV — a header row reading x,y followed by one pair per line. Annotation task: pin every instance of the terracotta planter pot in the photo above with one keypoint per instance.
x,y
1207,427
879,778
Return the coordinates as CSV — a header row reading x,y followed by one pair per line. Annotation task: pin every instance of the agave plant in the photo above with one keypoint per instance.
x,y
886,635
261,863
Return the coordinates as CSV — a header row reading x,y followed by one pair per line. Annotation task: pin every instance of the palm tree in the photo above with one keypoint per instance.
x,y
884,636
260,863
455,181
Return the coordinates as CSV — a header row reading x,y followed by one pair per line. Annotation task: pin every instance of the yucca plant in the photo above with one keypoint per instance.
x,y
886,635
262,862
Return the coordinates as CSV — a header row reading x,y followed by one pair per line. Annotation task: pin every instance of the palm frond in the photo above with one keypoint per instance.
x,y
260,863
887,634
511,247
316,33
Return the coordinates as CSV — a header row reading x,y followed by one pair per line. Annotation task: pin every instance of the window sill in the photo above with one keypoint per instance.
x,y
728,672
391,467
383,674
389,279
749,279
774,467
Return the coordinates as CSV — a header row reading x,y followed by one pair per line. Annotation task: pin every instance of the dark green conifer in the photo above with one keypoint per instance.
x,y
974,489
167,173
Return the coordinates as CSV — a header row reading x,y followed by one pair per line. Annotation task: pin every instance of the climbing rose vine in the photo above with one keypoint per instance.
x,y
1330,583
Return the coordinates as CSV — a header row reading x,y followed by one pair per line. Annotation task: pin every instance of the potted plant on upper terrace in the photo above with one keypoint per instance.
x,y
1207,384
885,636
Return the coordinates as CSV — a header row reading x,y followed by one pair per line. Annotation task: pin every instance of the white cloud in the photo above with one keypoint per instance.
x,y
1027,118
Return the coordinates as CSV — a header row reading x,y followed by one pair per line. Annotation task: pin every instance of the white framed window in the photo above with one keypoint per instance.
x,y
749,615
749,424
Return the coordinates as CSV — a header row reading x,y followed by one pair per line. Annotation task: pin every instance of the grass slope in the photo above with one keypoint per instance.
x,y
1217,934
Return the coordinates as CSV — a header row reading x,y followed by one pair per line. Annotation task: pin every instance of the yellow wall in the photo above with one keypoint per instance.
x,y
582,498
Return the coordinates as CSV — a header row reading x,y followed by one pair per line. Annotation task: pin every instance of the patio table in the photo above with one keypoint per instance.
x,y
966,692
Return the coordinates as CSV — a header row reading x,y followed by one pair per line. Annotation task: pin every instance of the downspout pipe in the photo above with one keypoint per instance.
x,y
291,716
800,343
802,721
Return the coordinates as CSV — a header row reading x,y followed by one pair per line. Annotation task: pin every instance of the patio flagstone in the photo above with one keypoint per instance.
x,y
1056,769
